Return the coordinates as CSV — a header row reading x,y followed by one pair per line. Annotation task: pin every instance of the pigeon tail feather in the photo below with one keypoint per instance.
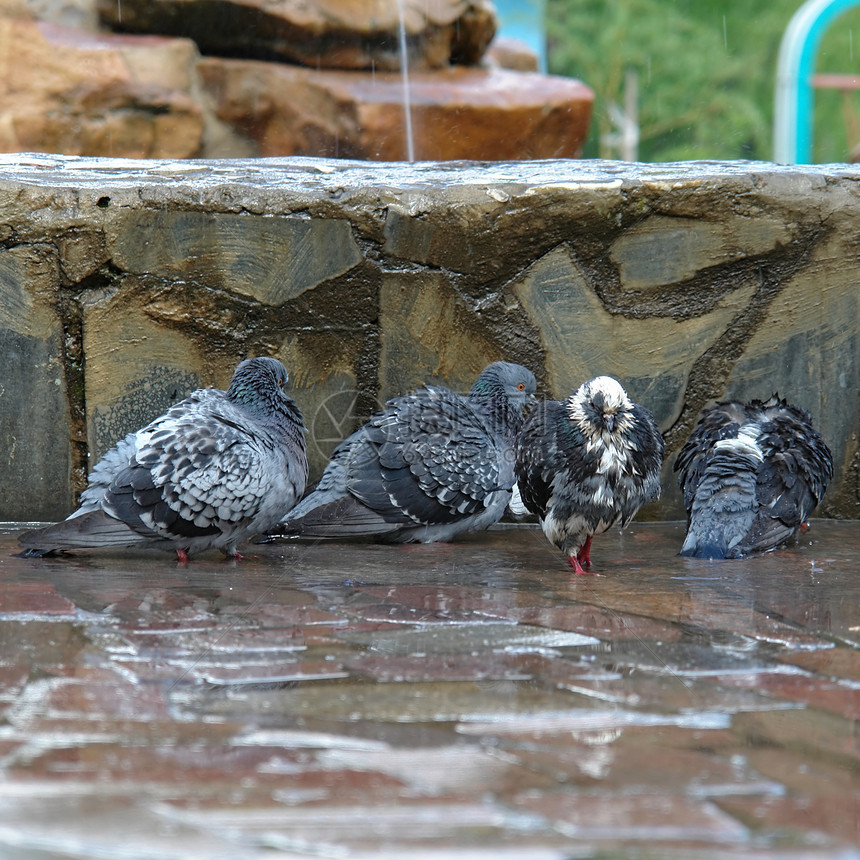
x,y
694,549
93,529
340,516
725,503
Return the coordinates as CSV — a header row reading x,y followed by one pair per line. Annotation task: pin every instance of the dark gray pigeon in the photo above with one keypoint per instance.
x,y
588,463
429,466
215,469
751,474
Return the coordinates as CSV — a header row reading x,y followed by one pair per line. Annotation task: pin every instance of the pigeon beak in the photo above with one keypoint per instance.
x,y
609,421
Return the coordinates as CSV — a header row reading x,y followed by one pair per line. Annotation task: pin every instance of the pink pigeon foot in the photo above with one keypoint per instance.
x,y
573,561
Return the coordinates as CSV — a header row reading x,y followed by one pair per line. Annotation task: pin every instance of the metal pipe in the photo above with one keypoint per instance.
x,y
793,105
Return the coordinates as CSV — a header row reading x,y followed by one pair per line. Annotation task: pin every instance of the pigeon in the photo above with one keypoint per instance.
x,y
431,465
215,469
751,474
589,462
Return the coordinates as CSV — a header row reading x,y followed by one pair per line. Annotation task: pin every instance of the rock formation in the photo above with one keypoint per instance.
x,y
322,34
330,84
70,91
457,113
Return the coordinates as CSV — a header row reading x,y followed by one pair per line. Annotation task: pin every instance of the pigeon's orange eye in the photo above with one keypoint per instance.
x,y
521,386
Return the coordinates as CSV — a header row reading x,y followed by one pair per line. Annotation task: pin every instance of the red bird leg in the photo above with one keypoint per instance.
x,y
182,556
573,561
584,554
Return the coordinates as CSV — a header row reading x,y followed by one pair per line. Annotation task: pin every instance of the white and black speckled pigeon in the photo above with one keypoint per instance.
x,y
429,466
215,469
586,464
751,474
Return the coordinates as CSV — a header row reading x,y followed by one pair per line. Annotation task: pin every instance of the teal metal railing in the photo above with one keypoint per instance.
x,y
794,101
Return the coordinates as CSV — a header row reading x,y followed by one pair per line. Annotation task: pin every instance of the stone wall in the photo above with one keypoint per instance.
x,y
125,284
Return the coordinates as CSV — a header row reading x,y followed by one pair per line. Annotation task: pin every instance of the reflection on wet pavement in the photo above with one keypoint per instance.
x,y
472,700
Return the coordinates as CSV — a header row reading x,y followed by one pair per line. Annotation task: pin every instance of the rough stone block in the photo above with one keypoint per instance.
x,y
427,335
35,424
663,250
269,259
582,338
324,380
135,368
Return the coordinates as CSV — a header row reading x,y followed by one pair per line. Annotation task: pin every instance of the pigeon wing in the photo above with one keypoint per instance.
x,y
114,461
721,422
197,472
794,473
545,444
428,459
641,484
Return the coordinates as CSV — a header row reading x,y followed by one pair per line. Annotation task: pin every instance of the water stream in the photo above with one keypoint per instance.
x,y
404,72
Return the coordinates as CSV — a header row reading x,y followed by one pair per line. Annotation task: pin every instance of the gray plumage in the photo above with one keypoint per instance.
x,y
751,474
588,463
215,469
431,465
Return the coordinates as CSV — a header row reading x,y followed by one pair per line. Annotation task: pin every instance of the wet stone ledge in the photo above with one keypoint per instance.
x,y
125,284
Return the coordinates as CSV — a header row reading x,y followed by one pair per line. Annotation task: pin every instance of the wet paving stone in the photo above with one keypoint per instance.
x,y
474,700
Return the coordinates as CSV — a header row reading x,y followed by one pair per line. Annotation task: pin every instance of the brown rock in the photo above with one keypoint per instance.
x,y
457,113
509,53
66,90
343,34
14,9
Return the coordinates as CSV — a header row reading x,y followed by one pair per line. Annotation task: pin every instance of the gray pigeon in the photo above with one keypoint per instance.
x,y
751,474
429,466
586,464
215,469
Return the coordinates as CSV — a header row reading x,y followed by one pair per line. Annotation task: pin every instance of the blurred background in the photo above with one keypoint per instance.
x,y
705,74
